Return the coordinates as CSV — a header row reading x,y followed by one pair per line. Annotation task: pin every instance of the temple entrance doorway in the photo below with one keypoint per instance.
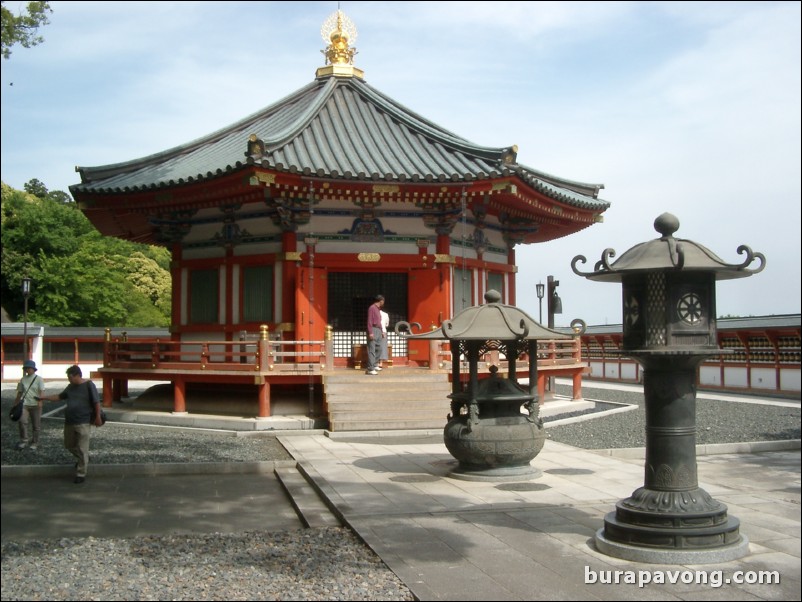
x,y
349,296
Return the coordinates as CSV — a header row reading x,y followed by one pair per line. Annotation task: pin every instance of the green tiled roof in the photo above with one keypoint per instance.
x,y
340,128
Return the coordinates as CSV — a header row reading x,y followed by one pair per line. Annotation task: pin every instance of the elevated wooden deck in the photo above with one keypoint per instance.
x,y
265,362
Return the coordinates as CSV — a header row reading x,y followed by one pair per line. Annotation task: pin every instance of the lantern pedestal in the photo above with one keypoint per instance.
x,y
671,519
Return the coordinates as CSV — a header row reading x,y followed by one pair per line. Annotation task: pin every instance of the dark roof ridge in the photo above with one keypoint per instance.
x,y
299,124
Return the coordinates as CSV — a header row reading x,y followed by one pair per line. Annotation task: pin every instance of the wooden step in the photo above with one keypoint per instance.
x,y
395,399
387,395
391,414
381,405
385,376
372,425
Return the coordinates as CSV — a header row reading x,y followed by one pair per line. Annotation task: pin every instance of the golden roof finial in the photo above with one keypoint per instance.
x,y
339,33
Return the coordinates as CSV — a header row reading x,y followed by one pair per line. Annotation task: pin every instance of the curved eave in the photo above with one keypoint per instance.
x,y
571,198
541,179
589,207
547,232
118,186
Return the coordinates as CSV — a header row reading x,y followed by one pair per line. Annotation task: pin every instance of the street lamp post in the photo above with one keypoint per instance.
x,y
540,288
26,292
554,305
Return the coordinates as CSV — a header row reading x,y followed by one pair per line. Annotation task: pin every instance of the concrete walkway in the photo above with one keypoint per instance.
x,y
125,501
451,539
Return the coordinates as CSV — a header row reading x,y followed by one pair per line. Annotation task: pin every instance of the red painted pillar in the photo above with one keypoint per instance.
x,y
289,275
108,391
177,300
578,385
264,400
232,296
179,396
541,387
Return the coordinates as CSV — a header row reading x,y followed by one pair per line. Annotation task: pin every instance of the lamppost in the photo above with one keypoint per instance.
x,y
554,305
26,292
540,288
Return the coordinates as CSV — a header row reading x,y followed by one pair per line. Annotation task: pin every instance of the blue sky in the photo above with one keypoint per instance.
x,y
687,107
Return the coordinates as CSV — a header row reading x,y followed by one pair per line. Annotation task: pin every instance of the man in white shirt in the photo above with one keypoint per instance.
x,y
385,324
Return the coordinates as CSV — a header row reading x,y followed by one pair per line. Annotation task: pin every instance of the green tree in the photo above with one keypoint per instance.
x,y
150,279
90,288
23,28
80,278
60,197
32,224
36,188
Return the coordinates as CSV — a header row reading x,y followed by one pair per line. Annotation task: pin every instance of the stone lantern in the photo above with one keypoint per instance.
x,y
669,327
486,430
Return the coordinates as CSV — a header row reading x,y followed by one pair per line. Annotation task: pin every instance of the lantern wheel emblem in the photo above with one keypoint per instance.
x,y
631,311
689,308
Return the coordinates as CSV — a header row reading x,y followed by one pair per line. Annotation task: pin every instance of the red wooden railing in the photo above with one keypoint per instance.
x,y
259,355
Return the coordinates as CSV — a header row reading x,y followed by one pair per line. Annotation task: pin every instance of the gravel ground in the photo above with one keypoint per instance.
x,y
716,422
308,564
118,444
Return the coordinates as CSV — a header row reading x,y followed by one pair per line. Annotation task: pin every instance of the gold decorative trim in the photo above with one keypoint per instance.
x,y
340,71
292,256
442,258
385,189
264,178
369,257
